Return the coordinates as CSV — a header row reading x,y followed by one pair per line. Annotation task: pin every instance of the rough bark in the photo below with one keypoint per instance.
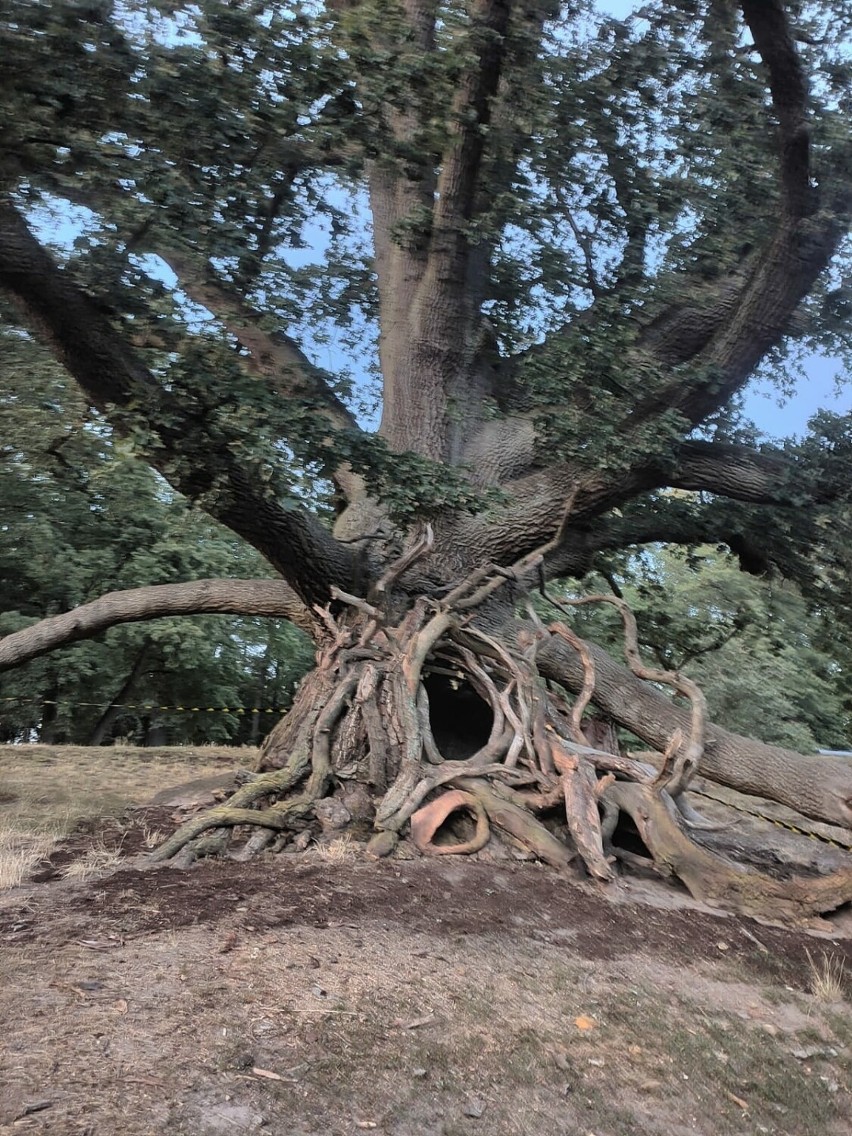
x,y
363,730
387,635
816,786
236,597
112,376
722,882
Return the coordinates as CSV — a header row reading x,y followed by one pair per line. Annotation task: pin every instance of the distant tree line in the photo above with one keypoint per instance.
x,y
79,516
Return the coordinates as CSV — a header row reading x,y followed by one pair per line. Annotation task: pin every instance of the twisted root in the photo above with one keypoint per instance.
x,y
364,717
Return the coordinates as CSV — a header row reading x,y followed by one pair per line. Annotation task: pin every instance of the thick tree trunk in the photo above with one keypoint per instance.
x,y
430,717
113,711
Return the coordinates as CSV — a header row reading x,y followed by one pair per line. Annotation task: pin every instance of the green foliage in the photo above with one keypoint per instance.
x,y
758,649
79,516
644,167
412,487
640,147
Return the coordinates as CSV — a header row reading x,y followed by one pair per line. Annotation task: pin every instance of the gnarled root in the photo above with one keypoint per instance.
x,y
519,824
238,810
426,822
365,726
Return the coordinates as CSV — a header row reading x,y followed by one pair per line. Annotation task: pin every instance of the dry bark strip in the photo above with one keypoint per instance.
x,y
426,822
579,786
518,823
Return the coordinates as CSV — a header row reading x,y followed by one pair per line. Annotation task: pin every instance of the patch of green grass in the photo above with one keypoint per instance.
x,y
810,1035
840,1023
747,1063
779,996
750,1065
725,1059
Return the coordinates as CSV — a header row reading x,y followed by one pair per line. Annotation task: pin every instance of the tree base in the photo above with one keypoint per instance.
x,y
359,754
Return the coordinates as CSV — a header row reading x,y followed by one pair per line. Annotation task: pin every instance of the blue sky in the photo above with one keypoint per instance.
x,y
776,416
816,391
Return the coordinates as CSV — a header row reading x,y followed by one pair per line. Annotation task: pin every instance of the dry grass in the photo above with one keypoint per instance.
x,y
338,851
48,791
96,861
828,977
152,837
20,856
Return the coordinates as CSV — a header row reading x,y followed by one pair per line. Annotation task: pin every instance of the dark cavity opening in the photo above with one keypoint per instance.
x,y
627,836
461,722
458,828
627,839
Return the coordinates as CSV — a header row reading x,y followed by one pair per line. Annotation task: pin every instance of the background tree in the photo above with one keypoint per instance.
x,y
564,243
758,650
79,515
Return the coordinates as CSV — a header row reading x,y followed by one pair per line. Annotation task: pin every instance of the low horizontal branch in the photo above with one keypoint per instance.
x,y
271,598
116,380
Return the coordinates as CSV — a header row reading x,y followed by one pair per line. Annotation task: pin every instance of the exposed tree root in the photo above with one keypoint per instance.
x,y
722,882
426,822
365,727
519,824
681,761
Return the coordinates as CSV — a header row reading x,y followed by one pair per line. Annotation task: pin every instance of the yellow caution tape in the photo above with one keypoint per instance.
x,y
151,706
775,821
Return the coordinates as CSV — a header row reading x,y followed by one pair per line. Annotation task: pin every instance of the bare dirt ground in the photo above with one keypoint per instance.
x,y
321,993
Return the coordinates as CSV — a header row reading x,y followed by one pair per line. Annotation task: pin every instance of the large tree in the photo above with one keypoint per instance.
x,y
555,246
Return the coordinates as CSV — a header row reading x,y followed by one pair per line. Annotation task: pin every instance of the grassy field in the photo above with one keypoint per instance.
x,y
47,792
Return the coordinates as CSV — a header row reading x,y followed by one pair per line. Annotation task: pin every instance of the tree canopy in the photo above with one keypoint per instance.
x,y
433,302
767,661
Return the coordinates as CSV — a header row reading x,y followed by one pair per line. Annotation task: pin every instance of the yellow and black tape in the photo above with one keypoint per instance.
x,y
242,710
151,706
778,823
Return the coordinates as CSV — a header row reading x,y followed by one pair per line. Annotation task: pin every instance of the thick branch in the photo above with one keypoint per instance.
x,y
726,327
273,356
773,38
754,318
113,377
686,526
428,336
738,472
271,598
401,198
471,114
536,500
